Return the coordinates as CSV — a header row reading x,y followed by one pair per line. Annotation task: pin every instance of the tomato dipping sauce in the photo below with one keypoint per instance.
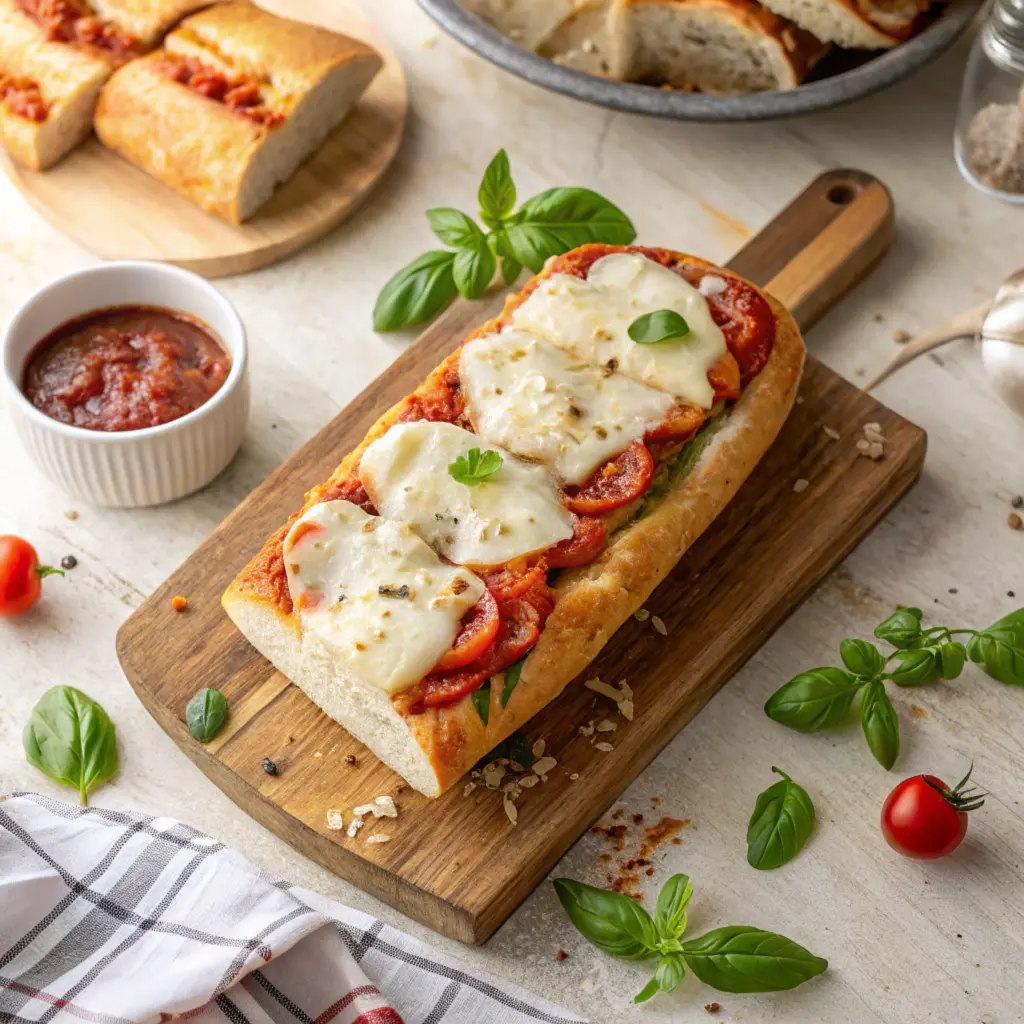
x,y
125,368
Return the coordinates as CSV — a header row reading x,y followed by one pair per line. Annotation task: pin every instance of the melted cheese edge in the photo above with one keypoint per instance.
x,y
516,511
589,318
346,578
544,404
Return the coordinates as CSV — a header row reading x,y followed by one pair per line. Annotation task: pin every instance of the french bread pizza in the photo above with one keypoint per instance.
x,y
495,527
232,103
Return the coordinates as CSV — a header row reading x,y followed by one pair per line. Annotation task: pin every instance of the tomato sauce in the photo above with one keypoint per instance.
x,y
22,97
239,94
71,21
125,368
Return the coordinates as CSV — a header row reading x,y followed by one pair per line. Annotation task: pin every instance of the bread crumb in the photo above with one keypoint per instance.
x,y
712,1007
1017,501
860,371
179,603
588,729
380,837
429,43
801,485
574,776
561,955
641,615
71,514
543,765
353,827
831,433
493,773
510,809
387,807
900,336
606,747
659,626
538,748
606,725
335,820
799,399
469,787
872,444
318,754
1015,522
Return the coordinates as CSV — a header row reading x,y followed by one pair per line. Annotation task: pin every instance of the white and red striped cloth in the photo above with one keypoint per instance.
x,y
121,919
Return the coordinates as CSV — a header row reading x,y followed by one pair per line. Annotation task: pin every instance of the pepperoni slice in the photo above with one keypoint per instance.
x,y
586,543
479,630
616,483
506,583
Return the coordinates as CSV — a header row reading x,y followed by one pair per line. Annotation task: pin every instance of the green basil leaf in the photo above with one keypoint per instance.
x,y
657,327
902,628
497,193
416,293
669,972
999,650
453,227
510,270
71,739
782,822
648,991
881,724
952,658
482,702
670,913
862,659
560,219
612,922
205,713
916,667
745,959
512,674
475,466
814,700
474,268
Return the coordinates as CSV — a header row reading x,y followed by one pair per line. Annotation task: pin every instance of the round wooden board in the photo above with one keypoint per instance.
x,y
117,212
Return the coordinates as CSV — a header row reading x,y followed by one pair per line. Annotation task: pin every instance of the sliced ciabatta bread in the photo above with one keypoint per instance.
x,y
588,39
526,22
716,46
48,91
854,24
148,21
232,104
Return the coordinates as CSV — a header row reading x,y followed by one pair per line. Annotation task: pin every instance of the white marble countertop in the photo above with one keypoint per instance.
x,y
908,942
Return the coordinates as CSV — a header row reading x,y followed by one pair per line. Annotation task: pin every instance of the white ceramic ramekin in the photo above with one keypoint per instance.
x,y
127,469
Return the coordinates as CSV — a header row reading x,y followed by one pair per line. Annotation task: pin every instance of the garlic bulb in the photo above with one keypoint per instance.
x,y
1002,343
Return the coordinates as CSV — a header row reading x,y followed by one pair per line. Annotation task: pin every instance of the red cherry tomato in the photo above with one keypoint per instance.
x,y
614,484
20,575
924,819
479,629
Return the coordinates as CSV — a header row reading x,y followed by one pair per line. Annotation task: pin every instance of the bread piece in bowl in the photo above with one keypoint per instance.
x,y
716,46
855,24
356,598
48,91
232,103
526,22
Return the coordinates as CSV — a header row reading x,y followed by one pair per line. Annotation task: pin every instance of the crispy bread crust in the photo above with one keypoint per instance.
x,y
594,600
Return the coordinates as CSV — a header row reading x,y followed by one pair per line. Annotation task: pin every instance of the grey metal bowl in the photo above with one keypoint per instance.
x,y
834,83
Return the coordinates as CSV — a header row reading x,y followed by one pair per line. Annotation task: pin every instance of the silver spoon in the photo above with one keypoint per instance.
x,y
999,327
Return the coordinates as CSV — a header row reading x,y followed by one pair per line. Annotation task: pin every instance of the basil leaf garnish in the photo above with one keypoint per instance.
x,y
453,227
512,674
902,629
416,293
71,739
657,327
745,959
999,650
497,194
881,724
667,975
814,700
482,702
474,268
862,659
561,219
611,921
510,270
916,667
475,466
205,713
649,990
782,822
952,658
670,913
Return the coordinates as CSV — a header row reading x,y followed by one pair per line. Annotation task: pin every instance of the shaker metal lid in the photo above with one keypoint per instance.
x,y
1003,36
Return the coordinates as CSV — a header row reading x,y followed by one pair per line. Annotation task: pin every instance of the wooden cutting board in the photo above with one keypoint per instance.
x,y
116,211
457,864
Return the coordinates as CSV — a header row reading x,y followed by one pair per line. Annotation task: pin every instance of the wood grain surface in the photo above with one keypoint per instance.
x,y
117,211
456,863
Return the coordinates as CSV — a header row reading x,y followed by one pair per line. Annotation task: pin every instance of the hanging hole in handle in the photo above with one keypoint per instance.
x,y
841,194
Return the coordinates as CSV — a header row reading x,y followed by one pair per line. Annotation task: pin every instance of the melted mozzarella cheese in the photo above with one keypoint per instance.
x,y
590,319
370,589
514,512
542,403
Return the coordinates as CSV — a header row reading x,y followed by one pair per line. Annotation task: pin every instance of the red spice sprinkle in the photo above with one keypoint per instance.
x,y
351,759
649,872
712,1007
638,819
179,603
618,814
655,801
667,828
561,955
604,858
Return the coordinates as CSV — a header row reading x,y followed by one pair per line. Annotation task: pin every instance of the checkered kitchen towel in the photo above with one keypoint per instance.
x,y
120,919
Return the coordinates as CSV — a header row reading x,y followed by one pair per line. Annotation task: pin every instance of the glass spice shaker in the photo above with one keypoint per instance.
x,y
989,140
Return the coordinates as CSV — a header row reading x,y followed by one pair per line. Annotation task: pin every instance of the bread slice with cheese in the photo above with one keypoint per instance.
x,y
48,91
377,596
232,103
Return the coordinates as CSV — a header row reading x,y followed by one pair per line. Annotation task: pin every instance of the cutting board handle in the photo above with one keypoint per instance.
x,y
827,239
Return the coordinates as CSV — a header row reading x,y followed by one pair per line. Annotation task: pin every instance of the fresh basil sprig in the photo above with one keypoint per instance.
x,y
782,822
549,224
735,959
822,697
657,327
482,702
512,674
205,713
475,466
71,739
